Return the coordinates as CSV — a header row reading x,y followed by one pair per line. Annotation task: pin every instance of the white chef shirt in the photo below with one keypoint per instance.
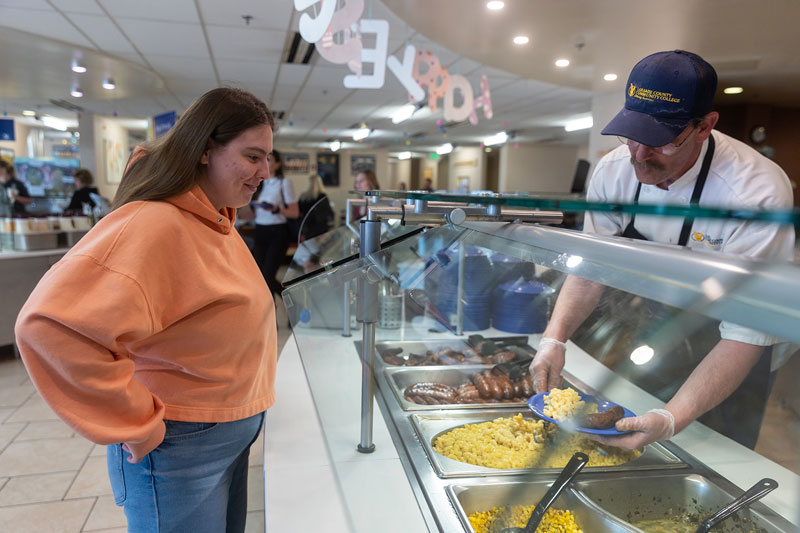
x,y
276,191
738,177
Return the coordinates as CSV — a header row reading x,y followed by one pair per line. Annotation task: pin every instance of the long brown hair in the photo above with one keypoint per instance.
x,y
171,165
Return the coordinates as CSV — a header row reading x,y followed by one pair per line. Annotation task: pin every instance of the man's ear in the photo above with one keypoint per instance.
x,y
709,121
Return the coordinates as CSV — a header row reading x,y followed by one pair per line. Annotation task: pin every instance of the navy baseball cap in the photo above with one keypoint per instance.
x,y
665,92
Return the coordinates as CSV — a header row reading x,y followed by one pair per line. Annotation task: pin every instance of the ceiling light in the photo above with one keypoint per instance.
x,y
562,63
361,133
404,113
498,138
494,5
579,124
76,92
521,39
108,84
404,155
642,354
335,145
55,123
78,67
444,149
610,77
29,113
733,90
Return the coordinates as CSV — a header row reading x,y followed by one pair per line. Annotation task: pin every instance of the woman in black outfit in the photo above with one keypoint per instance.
x,y
83,191
274,202
315,209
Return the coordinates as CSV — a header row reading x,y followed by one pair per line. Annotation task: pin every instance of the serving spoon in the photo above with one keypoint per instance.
x,y
575,465
753,494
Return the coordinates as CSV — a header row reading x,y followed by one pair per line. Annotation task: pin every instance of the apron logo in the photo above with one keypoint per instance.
x,y
715,244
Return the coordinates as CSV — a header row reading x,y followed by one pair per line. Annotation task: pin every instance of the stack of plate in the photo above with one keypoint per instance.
x,y
509,268
521,306
442,287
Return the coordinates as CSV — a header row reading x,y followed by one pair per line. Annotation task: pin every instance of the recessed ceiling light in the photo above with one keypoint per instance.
x,y
361,133
78,67
521,39
562,63
733,90
335,145
29,113
494,5
404,155
579,124
108,84
610,77
76,92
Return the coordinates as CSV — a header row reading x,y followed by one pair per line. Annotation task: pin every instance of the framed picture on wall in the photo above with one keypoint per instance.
x,y
296,163
114,160
360,163
328,168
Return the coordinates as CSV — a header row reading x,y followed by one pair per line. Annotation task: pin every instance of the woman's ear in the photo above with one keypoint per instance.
x,y
204,157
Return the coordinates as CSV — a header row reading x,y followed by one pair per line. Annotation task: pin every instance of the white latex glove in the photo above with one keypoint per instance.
x,y
654,425
547,365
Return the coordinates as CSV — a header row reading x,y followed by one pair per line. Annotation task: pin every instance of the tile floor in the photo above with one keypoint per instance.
x,y
53,480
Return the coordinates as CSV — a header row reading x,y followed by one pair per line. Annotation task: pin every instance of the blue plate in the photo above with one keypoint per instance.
x,y
536,404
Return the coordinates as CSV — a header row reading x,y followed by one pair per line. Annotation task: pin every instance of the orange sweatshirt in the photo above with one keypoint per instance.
x,y
158,312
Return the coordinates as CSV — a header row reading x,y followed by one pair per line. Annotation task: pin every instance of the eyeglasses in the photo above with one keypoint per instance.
x,y
667,150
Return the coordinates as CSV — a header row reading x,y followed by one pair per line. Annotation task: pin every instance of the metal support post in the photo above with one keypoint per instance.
x,y
460,294
346,310
367,310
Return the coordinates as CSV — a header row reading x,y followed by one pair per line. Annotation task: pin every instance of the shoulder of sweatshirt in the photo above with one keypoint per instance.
x,y
136,236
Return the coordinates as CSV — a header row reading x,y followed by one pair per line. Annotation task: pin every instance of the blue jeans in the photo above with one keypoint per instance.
x,y
196,480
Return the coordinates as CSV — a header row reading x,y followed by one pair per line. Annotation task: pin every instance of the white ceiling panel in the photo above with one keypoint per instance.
x,y
327,75
246,43
156,37
134,58
188,88
285,93
318,95
293,75
162,10
250,72
26,4
52,23
102,32
78,6
269,15
183,67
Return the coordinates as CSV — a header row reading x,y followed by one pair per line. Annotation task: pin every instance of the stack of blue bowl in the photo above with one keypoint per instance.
x,y
521,306
510,268
442,287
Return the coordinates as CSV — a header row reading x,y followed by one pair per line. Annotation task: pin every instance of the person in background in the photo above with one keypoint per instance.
x,y
155,334
427,185
402,186
83,191
365,181
275,201
14,188
670,153
315,209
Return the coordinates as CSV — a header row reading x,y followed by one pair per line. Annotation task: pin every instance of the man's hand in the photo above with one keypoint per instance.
x,y
652,426
546,367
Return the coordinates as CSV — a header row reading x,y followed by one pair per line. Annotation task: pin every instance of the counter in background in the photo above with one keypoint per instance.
x,y
19,274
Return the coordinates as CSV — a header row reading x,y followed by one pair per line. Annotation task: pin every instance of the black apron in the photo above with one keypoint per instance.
x,y
681,349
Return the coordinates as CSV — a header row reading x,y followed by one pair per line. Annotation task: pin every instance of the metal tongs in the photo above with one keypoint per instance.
x,y
574,466
753,494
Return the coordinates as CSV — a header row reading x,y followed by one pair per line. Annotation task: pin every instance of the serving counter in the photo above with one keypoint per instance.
x,y
697,471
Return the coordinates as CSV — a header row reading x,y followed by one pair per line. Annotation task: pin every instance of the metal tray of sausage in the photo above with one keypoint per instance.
x,y
401,378
416,353
430,425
